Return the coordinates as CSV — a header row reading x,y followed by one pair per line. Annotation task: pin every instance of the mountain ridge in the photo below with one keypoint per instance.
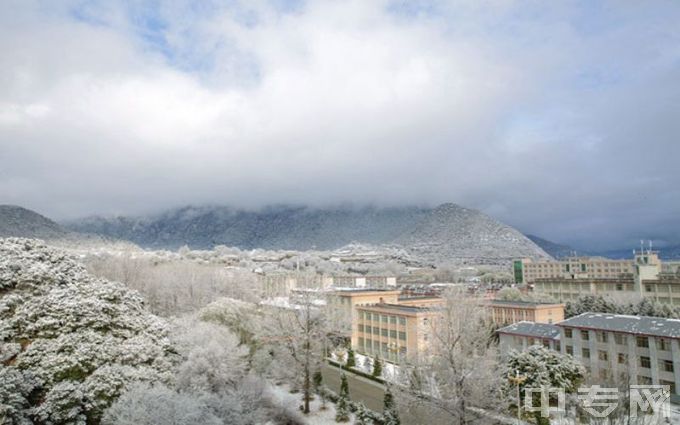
x,y
447,231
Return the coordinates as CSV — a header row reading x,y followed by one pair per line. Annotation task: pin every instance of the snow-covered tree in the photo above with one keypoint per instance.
x,y
390,412
460,371
296,335
342,405
351,361
363,415
377,367
78,341
543,368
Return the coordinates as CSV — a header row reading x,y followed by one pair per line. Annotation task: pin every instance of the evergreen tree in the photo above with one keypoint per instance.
x,y
351,362
363,416
377,367
390,412
342,406
317,382
544,368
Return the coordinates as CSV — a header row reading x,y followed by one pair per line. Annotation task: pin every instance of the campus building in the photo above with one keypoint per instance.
x,y
521,335
650,278
529,271
645,349
642,350
393,332
342,305
507,312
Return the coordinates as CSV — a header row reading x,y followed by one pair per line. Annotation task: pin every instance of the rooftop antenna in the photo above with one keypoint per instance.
x,y
642,246
650,246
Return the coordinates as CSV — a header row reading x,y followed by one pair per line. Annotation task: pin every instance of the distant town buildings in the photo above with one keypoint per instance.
x,y
643,276
281,284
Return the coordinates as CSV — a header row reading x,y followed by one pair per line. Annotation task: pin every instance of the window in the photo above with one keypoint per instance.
x,y
402,320
620,339
670,384
622,358
667,365
648,288
644,380
367,316
393,334
601,336
383,332
361,342
361,328
642,341
567,333
402,336
557,346
585,353
662,344
546,343
569,349
393,320
602,355
376,330
585,335
645,362
384,319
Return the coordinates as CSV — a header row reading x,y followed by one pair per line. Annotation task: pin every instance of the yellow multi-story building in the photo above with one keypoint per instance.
x,y
393,332
342,305
649,278
529,271
508,312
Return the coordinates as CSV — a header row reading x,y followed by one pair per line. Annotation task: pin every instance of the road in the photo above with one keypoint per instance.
x,y
361,389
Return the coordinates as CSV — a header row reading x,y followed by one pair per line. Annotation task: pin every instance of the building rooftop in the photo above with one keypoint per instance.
x,y
420,298
536,330
638,325
397,307
524,303
342,291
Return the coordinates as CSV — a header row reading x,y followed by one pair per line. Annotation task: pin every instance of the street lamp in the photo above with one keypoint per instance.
x,y
518,380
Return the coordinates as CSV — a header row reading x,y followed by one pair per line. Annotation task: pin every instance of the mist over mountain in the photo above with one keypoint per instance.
x,y
446,232
556,250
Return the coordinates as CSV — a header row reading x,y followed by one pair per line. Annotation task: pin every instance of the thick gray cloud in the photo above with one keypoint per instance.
x,y
562,121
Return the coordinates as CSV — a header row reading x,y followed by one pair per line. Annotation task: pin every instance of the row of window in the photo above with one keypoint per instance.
x,y
382,331
645,362
381,347
621,339
365,315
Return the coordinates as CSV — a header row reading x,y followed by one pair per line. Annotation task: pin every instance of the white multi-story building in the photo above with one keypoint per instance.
x,y
644,350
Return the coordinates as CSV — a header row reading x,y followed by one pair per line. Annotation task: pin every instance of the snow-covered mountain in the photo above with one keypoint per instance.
x,y
452,231
440,234
21,222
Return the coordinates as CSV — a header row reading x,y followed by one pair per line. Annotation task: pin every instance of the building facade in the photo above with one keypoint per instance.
x,y
342,306
508,312
521,335
528,270
612,348
393,332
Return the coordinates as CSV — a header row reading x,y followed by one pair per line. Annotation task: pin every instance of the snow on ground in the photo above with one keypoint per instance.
x,y
281,394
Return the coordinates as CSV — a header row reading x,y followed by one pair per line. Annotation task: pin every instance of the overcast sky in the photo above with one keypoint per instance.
x,y
560,118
